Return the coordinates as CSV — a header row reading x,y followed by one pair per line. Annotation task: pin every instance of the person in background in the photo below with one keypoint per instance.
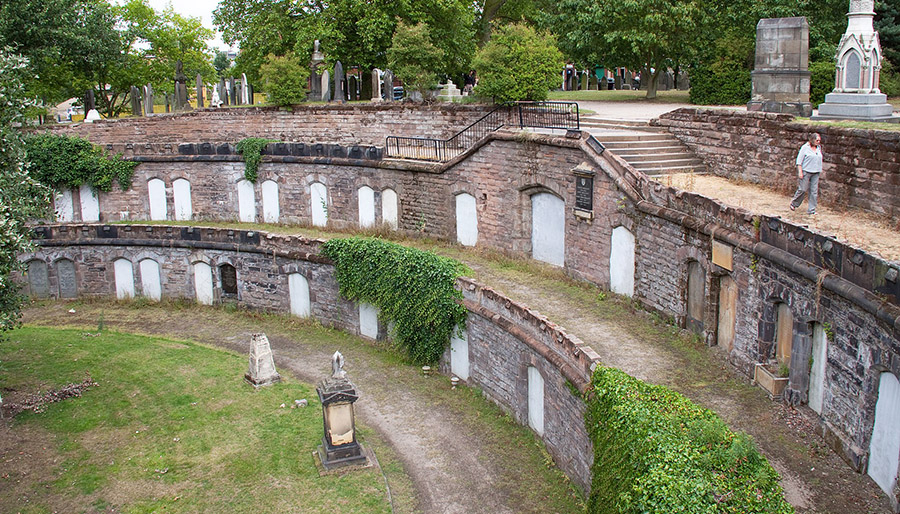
x,y
809,167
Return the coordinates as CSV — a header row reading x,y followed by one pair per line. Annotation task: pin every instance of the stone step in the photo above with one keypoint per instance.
x,y
690,160
635,138
675,170
641,150
657,156
594,121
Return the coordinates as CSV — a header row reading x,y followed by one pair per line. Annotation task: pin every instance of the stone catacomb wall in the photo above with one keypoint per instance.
x,y
505,338
821,281
862,167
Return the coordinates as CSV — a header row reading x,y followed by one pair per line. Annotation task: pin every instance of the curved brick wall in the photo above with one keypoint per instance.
x,y
818,280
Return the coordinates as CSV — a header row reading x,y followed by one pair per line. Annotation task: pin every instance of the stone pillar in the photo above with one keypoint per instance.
x,y
245,90
199,91
262,363
781,74
339,92
232,92
376,85
388,86
326,86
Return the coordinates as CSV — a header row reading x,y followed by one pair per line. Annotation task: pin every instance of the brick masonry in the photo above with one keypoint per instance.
x,y
819,279
861,169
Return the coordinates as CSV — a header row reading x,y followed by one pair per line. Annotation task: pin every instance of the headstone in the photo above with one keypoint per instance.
x,y
238,93
377,89
181,100
249,94
136,102
223,92
365,86
388,86
352,88
584,81
232,92
683,81
168,104
38,280
326,86
199,91
592,84
856,95
148,99
315,78
245,90
781,74
618,80
92,116
65,275
339,93
262,363
627,79
89,103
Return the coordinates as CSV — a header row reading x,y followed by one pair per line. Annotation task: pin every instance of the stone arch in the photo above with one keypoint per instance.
x,y
151,279
271,203
390,208
366,206
622,261
319,205
246,193
466,219
298,288
124,278
228,279
852,72
181,192
156,197
548,228
884,446
203,282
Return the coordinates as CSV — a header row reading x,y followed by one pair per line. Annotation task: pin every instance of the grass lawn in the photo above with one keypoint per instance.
x,y
620,96
865,125
172,426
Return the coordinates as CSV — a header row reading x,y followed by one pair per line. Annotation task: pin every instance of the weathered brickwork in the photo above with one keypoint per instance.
x,y
348,124
862,167
820,279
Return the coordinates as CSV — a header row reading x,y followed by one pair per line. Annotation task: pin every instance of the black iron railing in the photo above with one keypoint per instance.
x,y
546,115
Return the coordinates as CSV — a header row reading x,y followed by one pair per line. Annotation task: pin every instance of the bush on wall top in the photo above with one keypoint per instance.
x,y
415,290
657,452
64,162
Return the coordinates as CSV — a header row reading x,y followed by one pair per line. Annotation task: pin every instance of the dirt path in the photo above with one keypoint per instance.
x,y
456,466
859,229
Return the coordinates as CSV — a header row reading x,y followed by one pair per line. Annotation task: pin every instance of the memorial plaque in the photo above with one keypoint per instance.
x,y
38,280
722,255
229,279
584,193
65,271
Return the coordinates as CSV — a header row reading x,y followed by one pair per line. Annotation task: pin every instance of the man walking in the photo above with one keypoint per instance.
x,y
809,166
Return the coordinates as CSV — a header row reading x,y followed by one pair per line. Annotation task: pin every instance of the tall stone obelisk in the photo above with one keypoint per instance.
x,y
856,95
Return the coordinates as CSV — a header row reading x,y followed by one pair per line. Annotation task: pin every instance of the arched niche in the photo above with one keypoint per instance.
x,y
90,203
298,288
390,208
64,206
366,206
727,314
884,448
270,202
181,191
151,284
203,283
124,272
466,220
318,198
621,262
548,229
459,354
246,201
38,278
696,296
156,191
535,400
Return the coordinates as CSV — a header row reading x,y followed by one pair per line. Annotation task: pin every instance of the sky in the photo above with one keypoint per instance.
x,y
195,8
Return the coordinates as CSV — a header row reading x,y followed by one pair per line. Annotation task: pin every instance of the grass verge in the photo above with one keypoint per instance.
x,y
663,97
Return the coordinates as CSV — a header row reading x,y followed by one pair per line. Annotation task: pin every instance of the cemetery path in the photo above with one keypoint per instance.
x,y
454,459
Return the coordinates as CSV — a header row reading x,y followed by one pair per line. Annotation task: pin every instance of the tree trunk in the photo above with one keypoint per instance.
x,y
491,8
651,85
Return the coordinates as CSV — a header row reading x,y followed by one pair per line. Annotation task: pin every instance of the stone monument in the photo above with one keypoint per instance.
x,y
781,74
365,86
89,103
339,445
245,90
376,85
326,87
388,86
449,92
181,99
232,92
315,77
215,101
339,92
199,91
262,363
148,99
857,73
136,107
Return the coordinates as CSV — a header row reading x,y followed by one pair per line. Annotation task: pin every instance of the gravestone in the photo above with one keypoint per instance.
x,y
89,102
238,93
365,86
232,92
618,80
781,73
856,95
376,85
315,78
223,92
168,104
261,371
245,90
626,80
388,86
339,92
683,81
584,81
181,99
592,82
326,86
38,279
136,102
199,91
92,116
65,274
352,87
148,99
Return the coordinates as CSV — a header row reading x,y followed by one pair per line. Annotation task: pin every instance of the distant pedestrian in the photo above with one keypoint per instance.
x,y
809,166
470,80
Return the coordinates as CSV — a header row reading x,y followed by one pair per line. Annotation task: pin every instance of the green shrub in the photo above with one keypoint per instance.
x,y
414,58
722,82
64,162
251,150
657,452
890,79
821,80
415,290
284,79
518,64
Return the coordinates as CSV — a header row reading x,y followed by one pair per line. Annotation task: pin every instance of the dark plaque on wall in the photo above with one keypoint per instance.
x,y
584,193
229,279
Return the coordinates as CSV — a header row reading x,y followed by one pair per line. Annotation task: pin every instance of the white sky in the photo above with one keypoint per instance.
x,y
202,9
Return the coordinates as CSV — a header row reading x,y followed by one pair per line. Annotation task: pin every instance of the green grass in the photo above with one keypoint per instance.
x,y
865,125
620,96
172,426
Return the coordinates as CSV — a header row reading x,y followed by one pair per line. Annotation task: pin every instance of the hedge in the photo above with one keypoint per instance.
x,y
64,162
657,452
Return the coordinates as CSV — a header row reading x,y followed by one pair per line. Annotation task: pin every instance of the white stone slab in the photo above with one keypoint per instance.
x,y
459,355
817,370
246,201
548,229
318,198
65,207
535,400
298,287
156,190
181,190
124,271
389,208
621,262
150,279
90,204
368,320
366,207
203,284
466,220
884,450
271,206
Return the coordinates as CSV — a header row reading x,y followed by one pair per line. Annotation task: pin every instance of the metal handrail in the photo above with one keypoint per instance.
x,y
548,115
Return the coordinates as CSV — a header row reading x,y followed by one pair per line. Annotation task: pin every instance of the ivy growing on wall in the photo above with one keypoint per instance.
x,y
414,290
251,149
656,452
64,162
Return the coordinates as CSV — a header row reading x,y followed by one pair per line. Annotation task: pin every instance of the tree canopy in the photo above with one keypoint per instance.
x,y
518,64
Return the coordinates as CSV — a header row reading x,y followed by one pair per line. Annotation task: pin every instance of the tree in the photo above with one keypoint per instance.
x,y
413,57
648,35
284,79
518,64
21,197
221,63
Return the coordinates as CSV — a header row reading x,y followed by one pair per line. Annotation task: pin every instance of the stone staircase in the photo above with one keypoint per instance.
x,y
649,149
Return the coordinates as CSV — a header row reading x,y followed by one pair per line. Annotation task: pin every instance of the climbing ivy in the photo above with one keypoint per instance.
x,y
251,149
64,162
656,452
415,290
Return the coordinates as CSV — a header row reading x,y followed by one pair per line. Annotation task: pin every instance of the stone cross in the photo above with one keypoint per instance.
x,y
339,93
199,91
262,363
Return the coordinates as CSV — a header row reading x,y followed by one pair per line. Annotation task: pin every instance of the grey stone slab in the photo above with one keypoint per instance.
x,y
38,279
65,273
856,98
